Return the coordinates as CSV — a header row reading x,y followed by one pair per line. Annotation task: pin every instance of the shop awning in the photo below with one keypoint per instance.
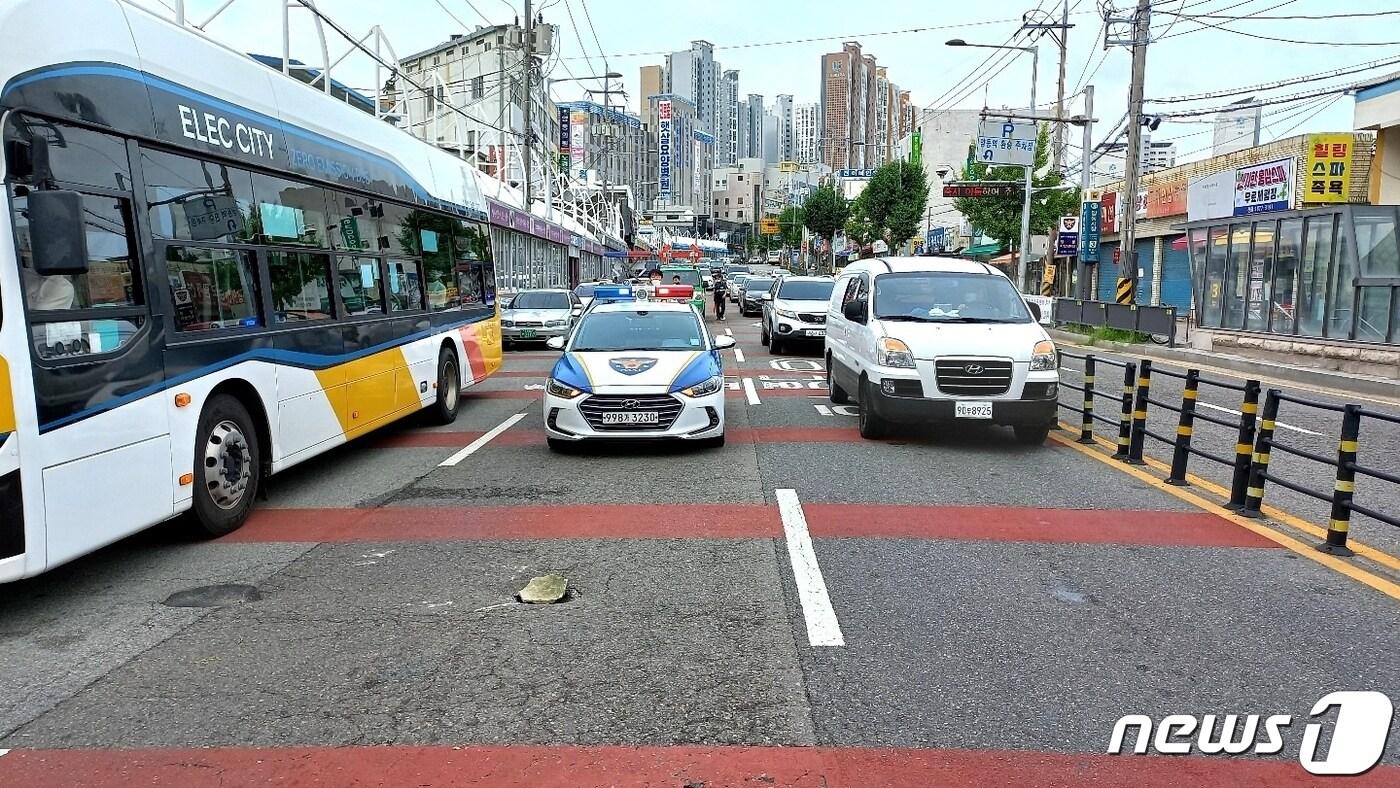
x,y
982,250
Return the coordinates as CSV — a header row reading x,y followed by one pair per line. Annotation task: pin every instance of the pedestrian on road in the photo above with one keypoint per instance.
x,y
721,288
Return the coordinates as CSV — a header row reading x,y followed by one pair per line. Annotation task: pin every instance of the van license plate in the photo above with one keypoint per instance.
x,y
972,410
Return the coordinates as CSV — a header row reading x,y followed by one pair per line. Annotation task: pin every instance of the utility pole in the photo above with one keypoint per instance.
x,y
1058,147
529,62
1128,266
1086,182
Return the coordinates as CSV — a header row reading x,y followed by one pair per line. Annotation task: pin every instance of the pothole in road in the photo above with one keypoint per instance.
x,y
213,596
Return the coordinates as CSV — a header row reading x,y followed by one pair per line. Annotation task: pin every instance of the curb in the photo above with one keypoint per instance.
x,y
1338,381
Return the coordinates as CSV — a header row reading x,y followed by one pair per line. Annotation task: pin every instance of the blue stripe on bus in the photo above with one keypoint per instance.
x,y
314,361
160,83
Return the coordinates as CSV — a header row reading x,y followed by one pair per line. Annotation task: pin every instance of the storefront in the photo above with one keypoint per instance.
x,y
1330,273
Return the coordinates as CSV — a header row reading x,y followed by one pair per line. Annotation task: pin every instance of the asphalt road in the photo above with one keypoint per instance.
x,y
798,608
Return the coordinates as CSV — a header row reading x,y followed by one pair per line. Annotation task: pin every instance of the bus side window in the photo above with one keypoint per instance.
x,y
92,313
213,288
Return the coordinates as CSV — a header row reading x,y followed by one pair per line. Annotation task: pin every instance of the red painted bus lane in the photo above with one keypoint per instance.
x,y
551,766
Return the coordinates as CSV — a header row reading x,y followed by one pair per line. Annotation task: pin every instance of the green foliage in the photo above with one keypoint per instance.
x,y
893,202
790,224
824,211
1000,217
860,229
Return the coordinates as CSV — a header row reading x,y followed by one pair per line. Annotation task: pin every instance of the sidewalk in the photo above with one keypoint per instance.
x,y
1343,382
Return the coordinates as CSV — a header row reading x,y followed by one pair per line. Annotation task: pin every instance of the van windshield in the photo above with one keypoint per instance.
x,y
948,297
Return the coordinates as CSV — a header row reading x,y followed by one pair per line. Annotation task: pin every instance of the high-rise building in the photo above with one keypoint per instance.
x,y
807,133
653,83
694,75
906,114
771,125
752,115
685,156
848,107
727,134
1237,129
782,110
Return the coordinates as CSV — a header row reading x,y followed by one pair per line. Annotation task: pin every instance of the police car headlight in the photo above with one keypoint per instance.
x,y
1044,357
706,388
555,323
557,389
787,313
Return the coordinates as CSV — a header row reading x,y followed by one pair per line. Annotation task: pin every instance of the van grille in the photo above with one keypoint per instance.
x,y
973,377
667,407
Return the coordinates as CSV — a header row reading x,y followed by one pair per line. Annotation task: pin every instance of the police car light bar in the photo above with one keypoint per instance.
x,y
612,293
675,291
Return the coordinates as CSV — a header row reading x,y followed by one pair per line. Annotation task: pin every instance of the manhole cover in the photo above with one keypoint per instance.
x,y
214,596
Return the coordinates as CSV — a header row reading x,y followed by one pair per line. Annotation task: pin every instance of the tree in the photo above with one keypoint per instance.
x,y
824,211
790,224
894,201
860,228
1000,217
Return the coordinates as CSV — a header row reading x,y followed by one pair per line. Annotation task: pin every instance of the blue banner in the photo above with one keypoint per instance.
x,y
1090,225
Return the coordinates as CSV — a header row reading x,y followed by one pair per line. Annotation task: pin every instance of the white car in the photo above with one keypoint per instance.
x,y
928,339
537,315
637,370
794,310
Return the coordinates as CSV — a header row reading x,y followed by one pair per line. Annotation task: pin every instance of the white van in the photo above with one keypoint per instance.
x,y
929,339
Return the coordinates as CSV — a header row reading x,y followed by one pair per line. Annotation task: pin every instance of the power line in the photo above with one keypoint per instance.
x,y
448,11
1285,16
1318,77
1195,113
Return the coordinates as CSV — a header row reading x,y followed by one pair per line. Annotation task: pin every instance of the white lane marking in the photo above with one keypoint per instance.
x,y
482,441
823,410
756,325
750,392
1276,423
729,332
534,387
822,627
3,753
739,355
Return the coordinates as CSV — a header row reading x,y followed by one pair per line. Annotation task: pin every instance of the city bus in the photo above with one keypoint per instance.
x,y
209,272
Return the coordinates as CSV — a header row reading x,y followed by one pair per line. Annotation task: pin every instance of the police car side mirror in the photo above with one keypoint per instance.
x,y
555,343
724,342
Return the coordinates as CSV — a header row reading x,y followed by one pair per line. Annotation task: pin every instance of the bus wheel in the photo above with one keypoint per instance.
x,y
227,467
449,388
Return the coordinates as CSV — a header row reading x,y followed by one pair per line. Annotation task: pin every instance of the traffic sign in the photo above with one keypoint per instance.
x,y
973,189
1067,239
1090,221
768,225
1006,142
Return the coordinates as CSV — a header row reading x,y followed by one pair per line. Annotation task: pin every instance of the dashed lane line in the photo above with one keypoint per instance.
x,y
822,627
1356,573
739,354
750,393
1278,424
475,445
729,332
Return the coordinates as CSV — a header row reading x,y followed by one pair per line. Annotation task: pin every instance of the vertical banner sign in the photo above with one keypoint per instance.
x,y
1329,168
695,170
1110,213
566,147
1264,187
578,154
663,134
916,148
1067,239
1090,225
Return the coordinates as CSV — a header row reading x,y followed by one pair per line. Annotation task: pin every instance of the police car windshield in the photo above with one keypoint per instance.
x,y
539,300
643,330
947,297
806,291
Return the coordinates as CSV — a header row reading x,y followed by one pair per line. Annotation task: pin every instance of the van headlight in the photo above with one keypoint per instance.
x,y
1044,357
892,352
706,388
557,389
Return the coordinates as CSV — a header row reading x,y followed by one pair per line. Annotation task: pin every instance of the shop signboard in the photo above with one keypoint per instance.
x,y
1264,187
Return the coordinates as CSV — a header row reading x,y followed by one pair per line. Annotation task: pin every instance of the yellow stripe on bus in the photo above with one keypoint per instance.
x,y
367,390
7,399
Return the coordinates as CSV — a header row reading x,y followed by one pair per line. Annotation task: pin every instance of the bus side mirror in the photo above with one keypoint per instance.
x,y
56,232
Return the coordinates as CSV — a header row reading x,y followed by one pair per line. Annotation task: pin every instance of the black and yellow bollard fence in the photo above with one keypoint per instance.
x,y
1125,420
1345,486
1124,294
1244,446
1138,432
1184,427
1086,427
1259,467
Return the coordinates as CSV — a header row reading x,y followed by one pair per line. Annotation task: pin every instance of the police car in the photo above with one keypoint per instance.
x,y
636,370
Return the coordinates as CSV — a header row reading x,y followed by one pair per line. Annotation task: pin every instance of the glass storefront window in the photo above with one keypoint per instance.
x,y
1261,272
1376,247
1236,271
1214,298
1312,279
1341,303
1375,311
1285,296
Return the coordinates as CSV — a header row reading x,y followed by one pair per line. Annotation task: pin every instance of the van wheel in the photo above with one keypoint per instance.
x,y
872,427
1031,436
838,395
227,467
449,388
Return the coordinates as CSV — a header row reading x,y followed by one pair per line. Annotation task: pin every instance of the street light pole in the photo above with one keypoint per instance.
x,y
529,56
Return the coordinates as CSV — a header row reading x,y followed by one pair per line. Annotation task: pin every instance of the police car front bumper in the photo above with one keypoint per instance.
x,y
581,418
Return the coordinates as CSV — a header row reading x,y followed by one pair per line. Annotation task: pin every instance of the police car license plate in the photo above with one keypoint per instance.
x,y
972,410
527,333
633,417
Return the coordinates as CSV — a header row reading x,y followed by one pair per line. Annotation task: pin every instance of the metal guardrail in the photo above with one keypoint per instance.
x,y
1160,320
1253,447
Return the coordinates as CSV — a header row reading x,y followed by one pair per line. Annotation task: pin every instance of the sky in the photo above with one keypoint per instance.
x,y
907,36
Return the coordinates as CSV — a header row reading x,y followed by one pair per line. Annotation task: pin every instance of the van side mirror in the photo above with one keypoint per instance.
x,y
56,232
854,310
1035,310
